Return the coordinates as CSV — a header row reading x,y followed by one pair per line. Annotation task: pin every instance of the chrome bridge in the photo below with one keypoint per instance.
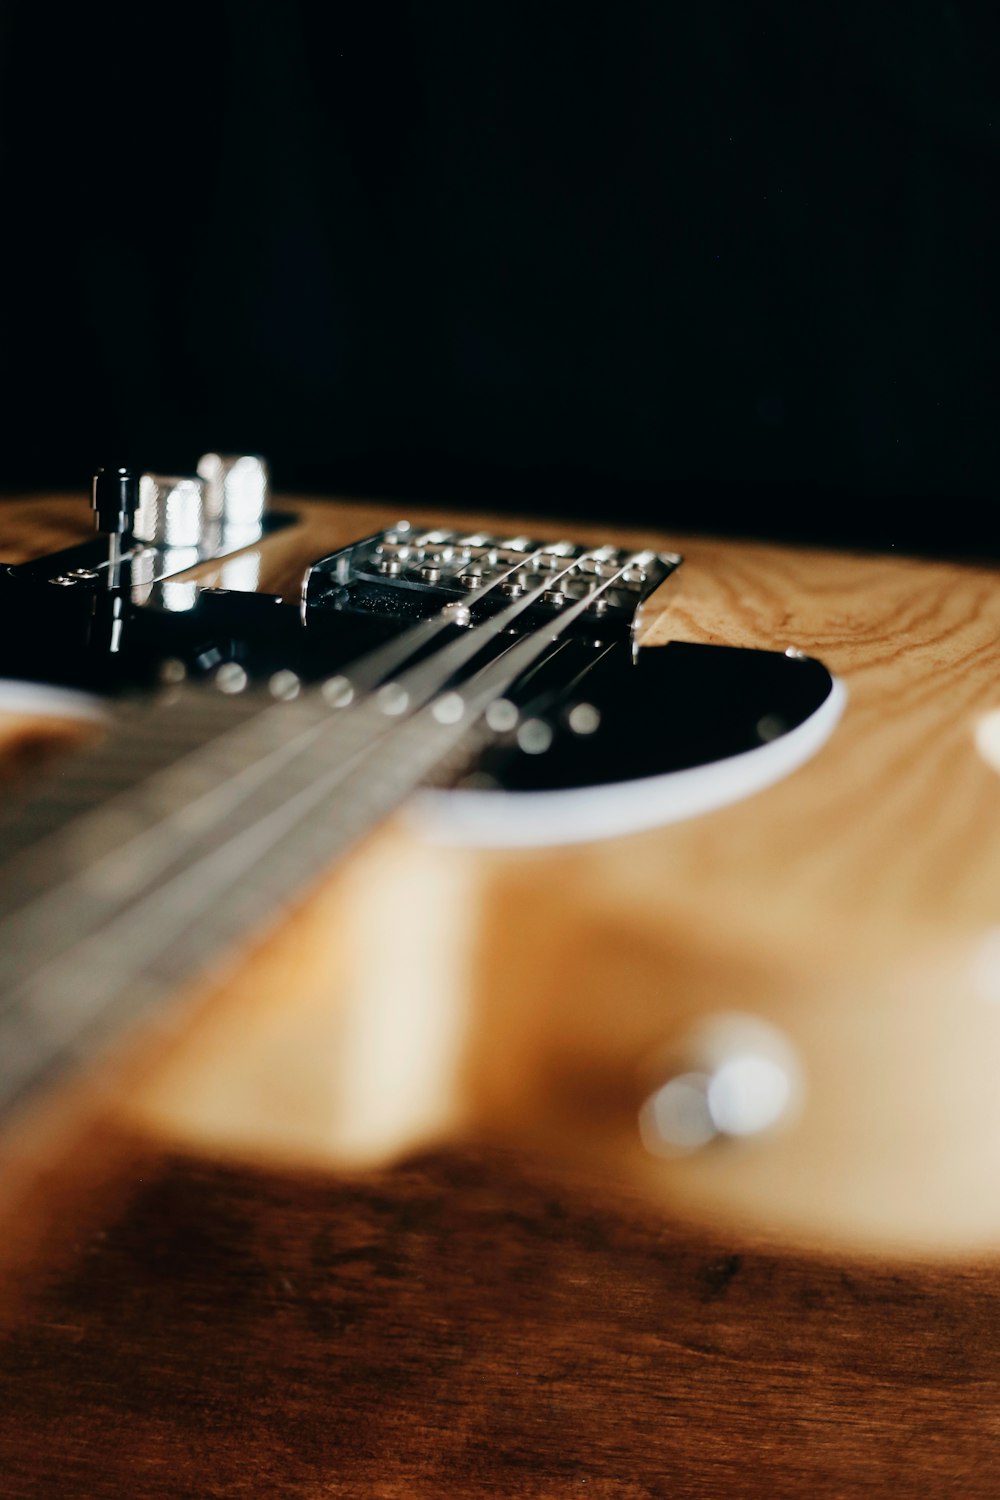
x,y
413,572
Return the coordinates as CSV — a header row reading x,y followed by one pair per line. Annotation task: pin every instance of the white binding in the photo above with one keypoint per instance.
x,y
509,820
41,698
576,815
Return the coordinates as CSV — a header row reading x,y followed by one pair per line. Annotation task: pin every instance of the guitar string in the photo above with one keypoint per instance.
x,y
350,748
344,737
51,1023
369,670
103,887
468,645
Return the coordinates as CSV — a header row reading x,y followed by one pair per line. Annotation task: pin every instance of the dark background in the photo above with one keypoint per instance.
x,y
719,265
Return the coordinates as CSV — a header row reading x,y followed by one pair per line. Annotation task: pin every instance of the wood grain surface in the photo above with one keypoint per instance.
x,y
466,1326
208,1310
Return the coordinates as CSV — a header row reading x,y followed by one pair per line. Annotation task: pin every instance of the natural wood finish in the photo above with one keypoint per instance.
x,y
483,1323
467,1326
29,741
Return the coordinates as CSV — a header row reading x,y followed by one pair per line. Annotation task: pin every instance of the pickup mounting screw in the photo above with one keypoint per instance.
x,y
230,678
284,685
736,1077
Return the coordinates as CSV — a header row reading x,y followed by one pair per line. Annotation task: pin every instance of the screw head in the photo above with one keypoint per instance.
x,y
733,1077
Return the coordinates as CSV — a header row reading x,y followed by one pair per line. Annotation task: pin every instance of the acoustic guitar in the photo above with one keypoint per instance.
x,y
491,1010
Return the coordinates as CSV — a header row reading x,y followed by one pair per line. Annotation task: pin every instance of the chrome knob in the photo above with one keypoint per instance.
x,y
170,512
735,1076
236,493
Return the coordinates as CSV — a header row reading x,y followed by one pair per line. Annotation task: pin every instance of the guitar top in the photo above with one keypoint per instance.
x,y
671,1076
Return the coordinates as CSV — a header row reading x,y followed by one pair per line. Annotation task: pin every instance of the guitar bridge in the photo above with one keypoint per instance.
x,y
414,573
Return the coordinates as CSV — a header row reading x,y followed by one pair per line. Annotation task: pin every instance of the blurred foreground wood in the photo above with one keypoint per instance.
x,y
467,1326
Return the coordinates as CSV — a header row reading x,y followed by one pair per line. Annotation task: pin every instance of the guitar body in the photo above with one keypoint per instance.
x,y
273,1254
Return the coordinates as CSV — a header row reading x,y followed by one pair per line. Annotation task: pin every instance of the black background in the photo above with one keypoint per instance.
x,y
719,265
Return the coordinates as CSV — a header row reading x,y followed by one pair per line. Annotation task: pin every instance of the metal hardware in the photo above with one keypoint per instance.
x,y
735,1077
237,489
502,715
174,523
171,511
115,497
535,736
337,692
392,699
231,677
284,685
492,568
584,718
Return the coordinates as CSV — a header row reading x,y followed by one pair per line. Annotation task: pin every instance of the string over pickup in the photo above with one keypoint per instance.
x,y
409,572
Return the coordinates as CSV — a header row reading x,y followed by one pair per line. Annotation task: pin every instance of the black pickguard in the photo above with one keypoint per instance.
x,y
659,710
